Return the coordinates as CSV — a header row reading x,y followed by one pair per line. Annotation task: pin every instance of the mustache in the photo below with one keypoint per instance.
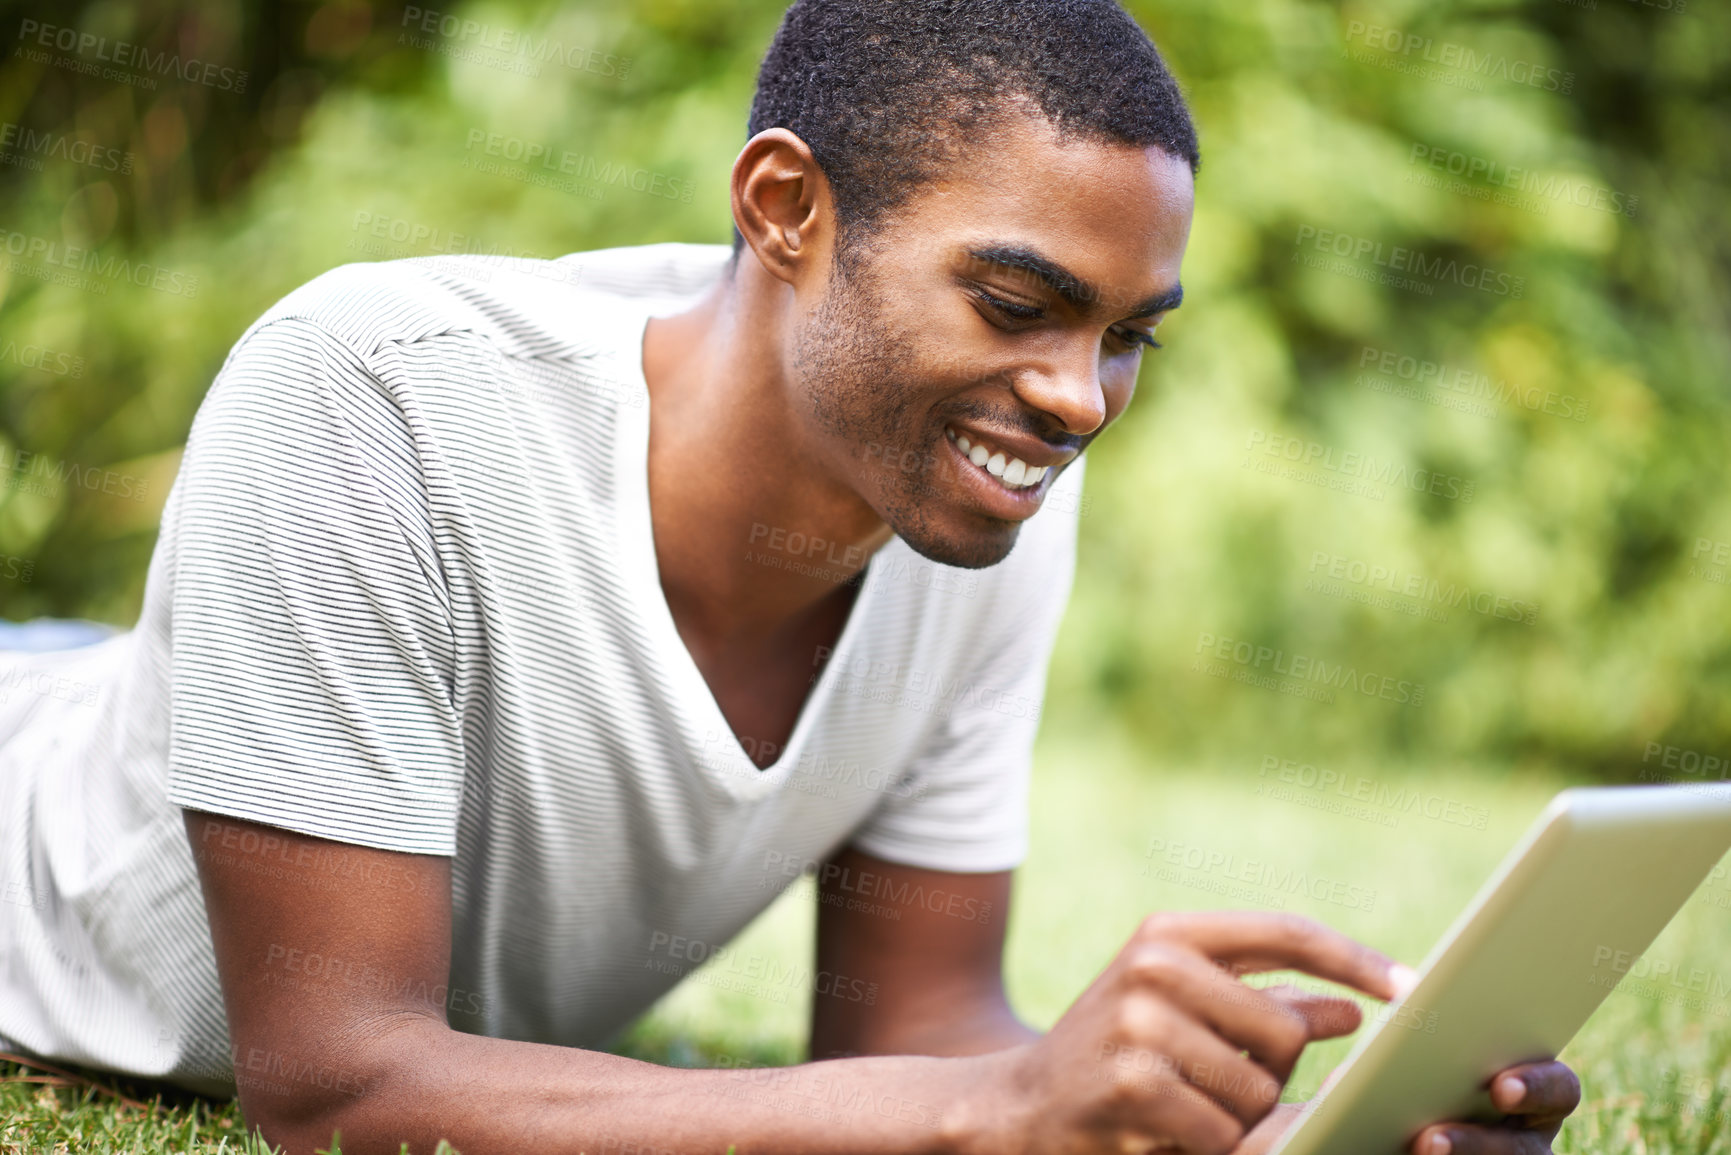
x,y
989,417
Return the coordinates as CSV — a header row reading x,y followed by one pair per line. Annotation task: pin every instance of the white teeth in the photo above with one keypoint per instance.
x,y
1013,472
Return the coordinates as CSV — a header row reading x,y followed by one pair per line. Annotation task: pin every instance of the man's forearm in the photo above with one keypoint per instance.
x,y
993,1028
951,1028
491,1095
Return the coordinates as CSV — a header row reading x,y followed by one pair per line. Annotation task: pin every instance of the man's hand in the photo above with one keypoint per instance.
x,y
1167,1049
1537,1097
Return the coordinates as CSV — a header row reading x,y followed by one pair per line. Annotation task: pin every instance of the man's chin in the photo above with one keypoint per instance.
x,y
964,549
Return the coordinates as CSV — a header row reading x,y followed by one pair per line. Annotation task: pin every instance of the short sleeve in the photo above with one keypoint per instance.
x,y
313,646
963,806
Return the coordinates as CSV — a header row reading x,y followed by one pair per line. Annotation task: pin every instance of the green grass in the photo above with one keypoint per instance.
x,y
1657,1075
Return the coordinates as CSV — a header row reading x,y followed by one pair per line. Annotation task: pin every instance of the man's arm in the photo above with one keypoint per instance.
x,y
929,943
358,1041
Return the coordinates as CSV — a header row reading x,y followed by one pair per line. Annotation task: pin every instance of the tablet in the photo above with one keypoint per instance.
x,y
1568,914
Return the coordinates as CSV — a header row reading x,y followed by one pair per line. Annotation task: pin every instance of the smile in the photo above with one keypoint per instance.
x,y
1010,472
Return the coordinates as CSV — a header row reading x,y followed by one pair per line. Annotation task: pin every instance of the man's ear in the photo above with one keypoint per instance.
x,y
781,202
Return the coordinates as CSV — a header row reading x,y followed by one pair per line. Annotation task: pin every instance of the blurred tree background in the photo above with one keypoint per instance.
x,y
1446,404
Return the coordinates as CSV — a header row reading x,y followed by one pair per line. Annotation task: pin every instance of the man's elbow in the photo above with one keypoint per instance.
x,y
301,1120
299,1101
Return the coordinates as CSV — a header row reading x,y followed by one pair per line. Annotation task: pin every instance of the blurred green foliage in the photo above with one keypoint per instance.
x,y
1584,414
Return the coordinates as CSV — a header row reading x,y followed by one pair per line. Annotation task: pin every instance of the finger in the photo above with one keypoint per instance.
x,y
1466,1139
1547,1090
1260,941
1249,1019
1243,1087
1265,1134
1178,1116
1174,1047
1327,1016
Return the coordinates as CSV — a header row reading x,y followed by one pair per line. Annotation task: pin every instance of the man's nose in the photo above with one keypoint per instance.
x,y
1067,387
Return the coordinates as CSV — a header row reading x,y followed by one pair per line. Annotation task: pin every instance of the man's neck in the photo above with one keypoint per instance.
x,y
739,492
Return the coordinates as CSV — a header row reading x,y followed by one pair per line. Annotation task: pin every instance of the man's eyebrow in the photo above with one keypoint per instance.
x,y
1067,285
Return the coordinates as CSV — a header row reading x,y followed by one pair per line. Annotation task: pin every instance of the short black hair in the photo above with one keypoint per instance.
x,y
887,93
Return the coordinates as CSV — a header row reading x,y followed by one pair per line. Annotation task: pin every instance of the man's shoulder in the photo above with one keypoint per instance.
x,y
525,305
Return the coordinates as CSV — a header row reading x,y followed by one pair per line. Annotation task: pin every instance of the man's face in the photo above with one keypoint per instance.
x,y
999,316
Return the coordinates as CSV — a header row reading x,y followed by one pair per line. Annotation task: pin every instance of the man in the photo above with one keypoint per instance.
x,y
510,643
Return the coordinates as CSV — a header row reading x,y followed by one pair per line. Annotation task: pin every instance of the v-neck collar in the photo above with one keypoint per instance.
x,y
734,772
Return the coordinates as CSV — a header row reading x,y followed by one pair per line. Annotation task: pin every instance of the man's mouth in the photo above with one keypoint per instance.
x,y
1006,469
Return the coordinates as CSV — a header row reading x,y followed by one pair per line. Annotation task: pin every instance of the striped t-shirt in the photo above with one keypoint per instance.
x,y
405,597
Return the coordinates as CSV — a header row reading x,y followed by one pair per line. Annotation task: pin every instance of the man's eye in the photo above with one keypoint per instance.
x,y
1016,311
1012,309
1134,337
